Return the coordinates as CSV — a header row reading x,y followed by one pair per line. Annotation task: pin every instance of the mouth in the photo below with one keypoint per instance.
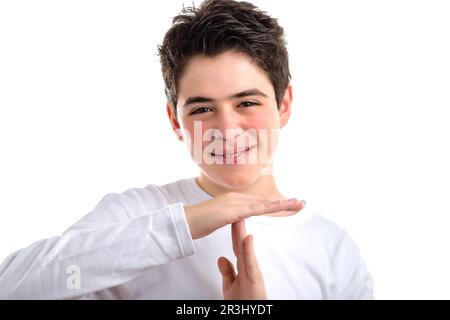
x,y
232,154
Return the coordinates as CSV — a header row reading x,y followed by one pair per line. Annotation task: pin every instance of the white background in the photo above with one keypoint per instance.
x,y
82,114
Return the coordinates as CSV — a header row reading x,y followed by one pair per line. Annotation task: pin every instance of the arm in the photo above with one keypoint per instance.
x,y
107,248
105,254
350,277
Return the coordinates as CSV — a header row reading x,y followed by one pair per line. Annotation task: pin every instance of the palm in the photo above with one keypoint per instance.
x,y
233,292
248,283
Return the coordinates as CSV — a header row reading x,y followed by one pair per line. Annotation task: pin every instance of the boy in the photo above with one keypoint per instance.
x,y
225,68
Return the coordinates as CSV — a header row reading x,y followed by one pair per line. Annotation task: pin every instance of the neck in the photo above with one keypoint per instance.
x,y
264,185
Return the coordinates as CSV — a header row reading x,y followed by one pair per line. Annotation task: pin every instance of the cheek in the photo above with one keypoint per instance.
x,y
187,131
265,120
267,125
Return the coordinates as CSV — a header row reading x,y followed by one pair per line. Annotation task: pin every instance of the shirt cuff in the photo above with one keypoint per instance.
x,y
183,233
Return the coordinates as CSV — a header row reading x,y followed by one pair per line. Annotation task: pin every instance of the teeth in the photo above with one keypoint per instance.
x,y
234,155
230,155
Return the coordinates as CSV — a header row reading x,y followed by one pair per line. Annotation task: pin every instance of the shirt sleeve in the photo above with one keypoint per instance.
x,y
350,277
97,253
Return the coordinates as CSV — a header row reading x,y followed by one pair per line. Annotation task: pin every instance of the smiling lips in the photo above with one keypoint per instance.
x,y
231,153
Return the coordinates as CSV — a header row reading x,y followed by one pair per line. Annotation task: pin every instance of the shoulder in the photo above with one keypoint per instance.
x,y
141,200
335,237
349,276
326,230
115,207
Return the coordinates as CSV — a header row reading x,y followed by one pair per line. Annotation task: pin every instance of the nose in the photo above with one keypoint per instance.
x,y
230,128
228,120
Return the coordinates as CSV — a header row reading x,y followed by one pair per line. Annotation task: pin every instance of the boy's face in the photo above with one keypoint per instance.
x,y
226,105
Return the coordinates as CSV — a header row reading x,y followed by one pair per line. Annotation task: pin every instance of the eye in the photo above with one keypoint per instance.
x,y
248,104
199,110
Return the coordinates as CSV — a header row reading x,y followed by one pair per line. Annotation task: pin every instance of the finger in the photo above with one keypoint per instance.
x,y
251,263
234,238
240,198
258,197
245,197
238,235
250,196
242,233
227,271
259,208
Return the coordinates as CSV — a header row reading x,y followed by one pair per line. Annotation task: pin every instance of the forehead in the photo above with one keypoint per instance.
x,y
222,75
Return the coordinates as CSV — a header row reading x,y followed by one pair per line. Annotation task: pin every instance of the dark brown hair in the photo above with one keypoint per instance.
x,y
218,26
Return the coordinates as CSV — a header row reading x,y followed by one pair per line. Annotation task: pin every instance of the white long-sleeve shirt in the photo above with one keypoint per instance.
x,y
137,245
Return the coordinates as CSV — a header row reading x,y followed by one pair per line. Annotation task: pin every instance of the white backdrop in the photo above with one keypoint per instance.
x,y
82,114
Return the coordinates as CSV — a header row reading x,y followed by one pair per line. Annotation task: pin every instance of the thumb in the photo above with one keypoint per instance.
x,y
227,270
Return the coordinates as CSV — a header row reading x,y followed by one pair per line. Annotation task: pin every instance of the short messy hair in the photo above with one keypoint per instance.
x,y
218,26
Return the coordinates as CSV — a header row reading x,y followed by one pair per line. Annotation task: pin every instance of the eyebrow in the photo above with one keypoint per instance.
x,y
246,93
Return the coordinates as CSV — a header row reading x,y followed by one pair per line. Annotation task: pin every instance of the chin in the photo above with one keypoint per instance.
x,y
235,178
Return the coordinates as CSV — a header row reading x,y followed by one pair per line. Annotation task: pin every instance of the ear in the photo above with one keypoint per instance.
x,y
285,106
174,122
